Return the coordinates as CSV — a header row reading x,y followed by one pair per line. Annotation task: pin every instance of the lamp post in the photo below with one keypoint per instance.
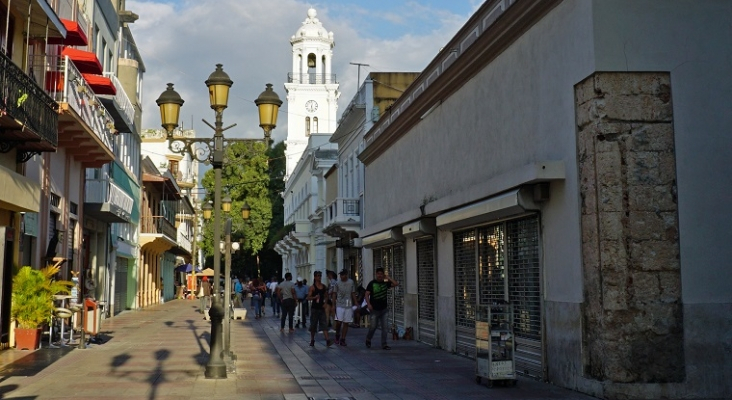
x,y
212,150
228,247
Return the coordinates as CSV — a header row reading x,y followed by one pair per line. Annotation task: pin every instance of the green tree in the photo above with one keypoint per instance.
x,y
245,178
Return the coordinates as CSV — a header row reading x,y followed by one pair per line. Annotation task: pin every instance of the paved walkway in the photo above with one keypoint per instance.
x,y
160,353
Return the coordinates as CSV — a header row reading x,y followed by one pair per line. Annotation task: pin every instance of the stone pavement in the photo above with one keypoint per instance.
x,y
160,353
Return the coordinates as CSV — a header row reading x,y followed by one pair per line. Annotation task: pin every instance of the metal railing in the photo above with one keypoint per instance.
x,y
341,209
122,100
65,84
185,241
157,225
311,78
24,100
106,191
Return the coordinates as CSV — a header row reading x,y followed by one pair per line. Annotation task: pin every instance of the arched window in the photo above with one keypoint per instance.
x,y
311,68
315,124
307,126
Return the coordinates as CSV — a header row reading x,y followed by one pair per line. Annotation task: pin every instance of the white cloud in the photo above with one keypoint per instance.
x,y
182,42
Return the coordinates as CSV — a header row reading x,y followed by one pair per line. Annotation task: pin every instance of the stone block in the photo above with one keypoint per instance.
x,y
652,198
610,198
633,83
654,255
670,285
645,288
585,144
617,362
653,137
585,90
636,108
589,229
612,225
614,290
609,168
646,225
587,113
588,195
613,256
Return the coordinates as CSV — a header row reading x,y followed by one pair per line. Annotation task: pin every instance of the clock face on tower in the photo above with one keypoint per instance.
x,y
311,106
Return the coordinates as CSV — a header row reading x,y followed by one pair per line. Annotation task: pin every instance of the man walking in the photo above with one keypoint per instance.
x,y
272,286
378,307
286,292
344,298
301,293
318,294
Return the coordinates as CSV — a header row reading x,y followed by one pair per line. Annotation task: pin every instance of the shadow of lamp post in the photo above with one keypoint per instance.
x,y
212,150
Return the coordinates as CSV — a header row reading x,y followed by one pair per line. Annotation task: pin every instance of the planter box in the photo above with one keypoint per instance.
x,y
27,339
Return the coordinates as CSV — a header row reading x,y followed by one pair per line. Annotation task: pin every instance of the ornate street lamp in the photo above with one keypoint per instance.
x,y
211,150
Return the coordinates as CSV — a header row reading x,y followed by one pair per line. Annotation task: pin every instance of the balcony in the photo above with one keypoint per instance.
x,y
342,217
106,201
120,106
28,117
185,242
86,128
158,226
311,78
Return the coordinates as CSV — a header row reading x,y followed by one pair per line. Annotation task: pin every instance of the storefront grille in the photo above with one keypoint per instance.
x,y
426,290
465,291
522,248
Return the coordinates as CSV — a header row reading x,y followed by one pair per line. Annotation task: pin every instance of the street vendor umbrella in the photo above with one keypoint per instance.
x,y
183,268
207,272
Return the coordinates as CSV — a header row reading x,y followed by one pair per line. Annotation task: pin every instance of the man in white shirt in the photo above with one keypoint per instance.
x,y
272,287
344,297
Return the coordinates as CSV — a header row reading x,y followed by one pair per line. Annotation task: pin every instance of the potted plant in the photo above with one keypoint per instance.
x,y
33,302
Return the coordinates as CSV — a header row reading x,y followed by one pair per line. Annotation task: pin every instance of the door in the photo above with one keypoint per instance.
x,y
120,286
427,290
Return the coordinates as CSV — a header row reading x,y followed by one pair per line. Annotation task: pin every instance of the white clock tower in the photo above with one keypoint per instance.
x,y
312,90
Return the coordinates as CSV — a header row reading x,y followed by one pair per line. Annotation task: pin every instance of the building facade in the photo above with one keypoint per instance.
x,y
552,156
81,165
345,182
170,206
312,96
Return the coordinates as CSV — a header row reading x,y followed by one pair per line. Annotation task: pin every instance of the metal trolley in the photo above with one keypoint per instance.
x,y
494,343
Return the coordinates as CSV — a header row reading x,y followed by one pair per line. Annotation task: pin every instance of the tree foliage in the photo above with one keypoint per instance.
x,y
245,178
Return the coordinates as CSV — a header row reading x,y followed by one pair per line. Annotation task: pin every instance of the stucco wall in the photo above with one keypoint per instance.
x,y
503,119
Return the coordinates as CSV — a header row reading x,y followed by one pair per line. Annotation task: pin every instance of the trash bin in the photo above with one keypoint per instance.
x,y
92,317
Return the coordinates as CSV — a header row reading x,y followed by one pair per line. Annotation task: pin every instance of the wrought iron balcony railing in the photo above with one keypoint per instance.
x,y
65,84
26,102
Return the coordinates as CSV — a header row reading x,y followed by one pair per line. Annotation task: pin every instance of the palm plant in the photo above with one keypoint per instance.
x,y
32,296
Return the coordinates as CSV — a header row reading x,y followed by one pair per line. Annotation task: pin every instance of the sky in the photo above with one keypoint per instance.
x,y
181,41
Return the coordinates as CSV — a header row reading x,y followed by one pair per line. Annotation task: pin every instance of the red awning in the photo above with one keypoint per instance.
x,y
85,61
74,35
100,84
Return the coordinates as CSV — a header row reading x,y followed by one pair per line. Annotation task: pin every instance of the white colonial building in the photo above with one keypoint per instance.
x,y
312,96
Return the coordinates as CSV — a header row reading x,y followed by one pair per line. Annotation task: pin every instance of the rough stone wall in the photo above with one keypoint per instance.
x,y
632,311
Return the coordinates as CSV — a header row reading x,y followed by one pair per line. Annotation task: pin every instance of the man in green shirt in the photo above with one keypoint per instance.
x,y
376,295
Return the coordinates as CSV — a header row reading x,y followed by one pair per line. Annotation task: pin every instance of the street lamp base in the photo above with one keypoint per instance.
x,y
216,371
216,367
